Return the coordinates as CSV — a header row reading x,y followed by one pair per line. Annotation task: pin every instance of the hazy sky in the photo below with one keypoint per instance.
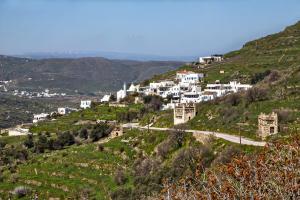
x,y
157,27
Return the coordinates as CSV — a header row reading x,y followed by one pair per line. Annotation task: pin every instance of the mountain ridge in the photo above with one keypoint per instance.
x,y
68,74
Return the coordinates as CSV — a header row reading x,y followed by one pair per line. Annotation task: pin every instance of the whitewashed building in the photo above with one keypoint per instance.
x,y
223,89
121,94
84,104
210,59
65,110
105,98
192,78
40,117
133,88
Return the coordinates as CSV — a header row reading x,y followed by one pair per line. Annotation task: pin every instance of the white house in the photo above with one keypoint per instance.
x,y
222,89
121,94
208,96
182,74
40,117
191,97
133,88
85,104
65,110
16,131
192,78
210,59
235,86
105,98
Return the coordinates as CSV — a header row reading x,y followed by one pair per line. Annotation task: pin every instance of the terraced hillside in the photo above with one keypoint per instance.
x,y
126,167
77,120
278,51
63,159
272,64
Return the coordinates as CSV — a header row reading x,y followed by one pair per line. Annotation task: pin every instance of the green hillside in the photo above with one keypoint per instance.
x,y
71,158
272,64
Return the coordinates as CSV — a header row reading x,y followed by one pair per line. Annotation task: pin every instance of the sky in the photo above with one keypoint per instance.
x,y
156,27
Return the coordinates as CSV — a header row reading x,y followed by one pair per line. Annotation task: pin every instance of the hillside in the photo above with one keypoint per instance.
x,y
68,75
74,157
272,65
15,110
278,51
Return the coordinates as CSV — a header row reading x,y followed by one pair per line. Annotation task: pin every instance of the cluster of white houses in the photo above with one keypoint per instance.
x,y
184,89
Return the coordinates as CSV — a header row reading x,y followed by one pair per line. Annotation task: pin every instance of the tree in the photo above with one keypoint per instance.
x,y
256,94
66,139
29,141
41,145
83,134
99,131
233,99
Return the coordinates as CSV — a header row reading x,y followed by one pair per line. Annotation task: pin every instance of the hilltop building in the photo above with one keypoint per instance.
x,y
184,112
267,124
210,59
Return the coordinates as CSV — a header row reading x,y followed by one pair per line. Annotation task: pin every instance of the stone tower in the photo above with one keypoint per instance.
x,y
267,124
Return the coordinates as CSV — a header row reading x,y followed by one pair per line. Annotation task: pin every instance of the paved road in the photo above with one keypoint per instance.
x,y
228,137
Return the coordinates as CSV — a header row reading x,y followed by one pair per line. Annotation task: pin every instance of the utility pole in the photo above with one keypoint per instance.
x,y
240,134
148,123
148,118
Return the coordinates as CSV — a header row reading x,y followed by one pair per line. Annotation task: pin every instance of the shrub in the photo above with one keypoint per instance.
x,y
226,155
66,139
121,194
41,145
21,191
271,174
229,114
233,99
259,76
154,102
75,133
47,134
120,177
256,94
2,144
285,115
99,131
274,76
29,141
83,134
100,147
1,177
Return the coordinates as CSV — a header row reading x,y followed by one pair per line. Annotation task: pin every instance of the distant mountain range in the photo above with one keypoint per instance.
x,y
85,75
109,55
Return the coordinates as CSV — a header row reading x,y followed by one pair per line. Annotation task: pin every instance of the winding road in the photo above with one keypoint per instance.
x,y
225,136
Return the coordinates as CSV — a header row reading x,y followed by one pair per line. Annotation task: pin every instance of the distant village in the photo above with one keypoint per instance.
x,y
29,94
